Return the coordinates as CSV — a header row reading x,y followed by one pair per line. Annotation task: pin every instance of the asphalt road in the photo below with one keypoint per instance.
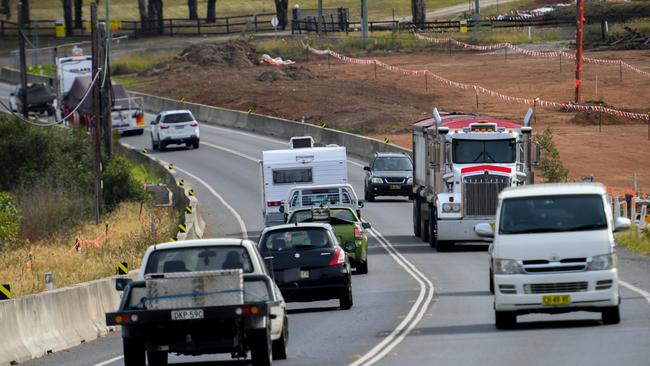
x,y
392,321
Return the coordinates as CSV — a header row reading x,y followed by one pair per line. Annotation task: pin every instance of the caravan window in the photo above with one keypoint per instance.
x,y
292,176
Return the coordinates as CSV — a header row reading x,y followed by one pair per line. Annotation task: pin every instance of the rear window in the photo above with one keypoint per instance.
x,y
295,239
292,176
178,118
320,196
393,163
199,259
344,214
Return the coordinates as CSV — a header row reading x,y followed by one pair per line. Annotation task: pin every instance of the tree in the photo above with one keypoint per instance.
x,y
144,14
418,9
67,16
25,13
156,16
550,164
211,15
191,7
281,11
78,14
6,9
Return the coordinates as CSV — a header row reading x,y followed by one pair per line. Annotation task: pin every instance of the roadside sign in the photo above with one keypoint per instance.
x,y
275,22
59,27
463,26
122,268
5,291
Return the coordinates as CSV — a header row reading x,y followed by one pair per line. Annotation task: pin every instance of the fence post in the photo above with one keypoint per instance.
x,y
449,45
620,69
198,26
228,26
2,28
171,28
560,61
255,18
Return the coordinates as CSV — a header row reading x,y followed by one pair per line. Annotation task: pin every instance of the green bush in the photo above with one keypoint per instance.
x,y
9,219
119,183
550,164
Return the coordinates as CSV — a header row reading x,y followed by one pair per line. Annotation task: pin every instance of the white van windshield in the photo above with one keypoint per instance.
x,y
552,214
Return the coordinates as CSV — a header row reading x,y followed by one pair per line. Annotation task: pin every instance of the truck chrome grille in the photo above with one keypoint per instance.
x,y
549,288
480,194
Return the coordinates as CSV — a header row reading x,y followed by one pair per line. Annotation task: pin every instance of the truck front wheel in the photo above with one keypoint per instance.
x,y
156,358
280,345
505,319
133,351
260,344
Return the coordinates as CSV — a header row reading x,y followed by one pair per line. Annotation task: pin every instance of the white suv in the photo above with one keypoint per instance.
x,y
554,252
174,127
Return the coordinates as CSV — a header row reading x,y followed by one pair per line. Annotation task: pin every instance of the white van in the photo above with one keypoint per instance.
x,y
282,170
554,252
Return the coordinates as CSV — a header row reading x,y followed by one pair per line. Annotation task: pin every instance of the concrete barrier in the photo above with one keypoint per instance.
x,y
357,146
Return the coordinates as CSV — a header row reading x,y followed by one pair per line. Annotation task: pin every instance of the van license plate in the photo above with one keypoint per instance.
x,y
555,300
187,314
304,274
395,186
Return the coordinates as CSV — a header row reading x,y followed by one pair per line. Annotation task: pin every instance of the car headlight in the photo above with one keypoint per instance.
x,y
506,266
409,181
377,180
451,207
603,262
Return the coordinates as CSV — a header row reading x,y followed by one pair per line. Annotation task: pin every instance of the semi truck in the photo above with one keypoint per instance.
x,y
461,163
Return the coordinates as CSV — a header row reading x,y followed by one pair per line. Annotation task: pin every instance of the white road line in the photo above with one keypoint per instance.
x,y
108,362
237,132
644,293
413,317
242,225
241,155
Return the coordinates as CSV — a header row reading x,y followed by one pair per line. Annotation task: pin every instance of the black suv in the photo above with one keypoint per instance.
x,y
389,174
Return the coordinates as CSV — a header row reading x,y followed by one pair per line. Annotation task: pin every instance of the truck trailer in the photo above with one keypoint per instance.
x,y
461,163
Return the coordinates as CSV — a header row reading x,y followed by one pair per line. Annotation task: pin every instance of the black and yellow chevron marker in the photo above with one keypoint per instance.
x,y
122,268
170,166
5,291
386,140
188,210
145,150
182,228
190,192
182,100
172,239
250,109
181,182
323,125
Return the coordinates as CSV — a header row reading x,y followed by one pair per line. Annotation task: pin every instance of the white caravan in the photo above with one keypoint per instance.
x,y
282,170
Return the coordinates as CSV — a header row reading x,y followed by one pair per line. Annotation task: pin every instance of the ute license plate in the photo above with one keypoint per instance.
x,y
304,274
187,314
180,127
555,300
394,186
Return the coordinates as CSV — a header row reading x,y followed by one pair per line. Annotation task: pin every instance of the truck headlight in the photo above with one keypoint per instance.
x,y
377,180
451,207
409,181
506,266
603,262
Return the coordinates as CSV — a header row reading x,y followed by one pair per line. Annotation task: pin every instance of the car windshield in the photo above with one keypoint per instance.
x,y
178,118
552,214
295,239
393,163
340,213
199,259
480,151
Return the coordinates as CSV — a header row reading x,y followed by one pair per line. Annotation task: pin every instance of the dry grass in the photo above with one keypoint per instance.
x,y
635,242
136,62
127,239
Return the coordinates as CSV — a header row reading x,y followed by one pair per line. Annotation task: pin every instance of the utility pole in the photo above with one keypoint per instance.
x,y
23,62
106,96
96,112
364,20
320,17
580,21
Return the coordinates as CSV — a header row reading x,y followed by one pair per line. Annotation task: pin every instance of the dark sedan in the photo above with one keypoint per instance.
x,y
389,174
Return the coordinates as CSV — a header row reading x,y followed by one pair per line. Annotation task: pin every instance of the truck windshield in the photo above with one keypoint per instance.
x,y
481,151
295,239
397,163
552,214
199,259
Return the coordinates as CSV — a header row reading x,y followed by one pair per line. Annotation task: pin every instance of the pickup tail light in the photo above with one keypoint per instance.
x,y
338,258
194,124
164,127
358,233
273,203
125,318
247,310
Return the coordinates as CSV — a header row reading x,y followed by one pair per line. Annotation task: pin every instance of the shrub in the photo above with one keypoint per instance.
x,y
119,183
550,164
9,219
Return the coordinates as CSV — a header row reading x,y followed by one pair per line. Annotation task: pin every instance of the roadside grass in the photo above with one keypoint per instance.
x,y
127,239
142,174
127,81
635,242
136,62
128,9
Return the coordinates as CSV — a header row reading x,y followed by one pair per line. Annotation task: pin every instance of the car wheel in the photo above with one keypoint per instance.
x,y
161,146
611,315
362,267
345,301
133,351
141,132
371,196
280,345
491,282
154,145
196,145
505,319
157,358
261,349
417,225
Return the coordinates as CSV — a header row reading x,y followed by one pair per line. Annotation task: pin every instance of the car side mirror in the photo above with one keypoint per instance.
x,y
484,230
622,224
350,247
366,225
366,168
121,283
360,203
538,154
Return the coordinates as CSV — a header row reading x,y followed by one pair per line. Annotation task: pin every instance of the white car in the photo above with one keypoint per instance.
x,y
174,127
554,252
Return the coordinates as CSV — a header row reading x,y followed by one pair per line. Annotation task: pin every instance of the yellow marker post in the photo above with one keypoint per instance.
x,y
181,182
170,166
172,239
386,140
5,291
323,125
188,210
182,228
250,109
190,192
145,151
122,268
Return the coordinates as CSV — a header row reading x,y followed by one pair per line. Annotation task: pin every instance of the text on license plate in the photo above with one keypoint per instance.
x,y
304,274
554,300
395,186
187,314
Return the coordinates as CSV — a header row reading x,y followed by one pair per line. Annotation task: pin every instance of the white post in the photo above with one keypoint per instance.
x,y
530,33
644,213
